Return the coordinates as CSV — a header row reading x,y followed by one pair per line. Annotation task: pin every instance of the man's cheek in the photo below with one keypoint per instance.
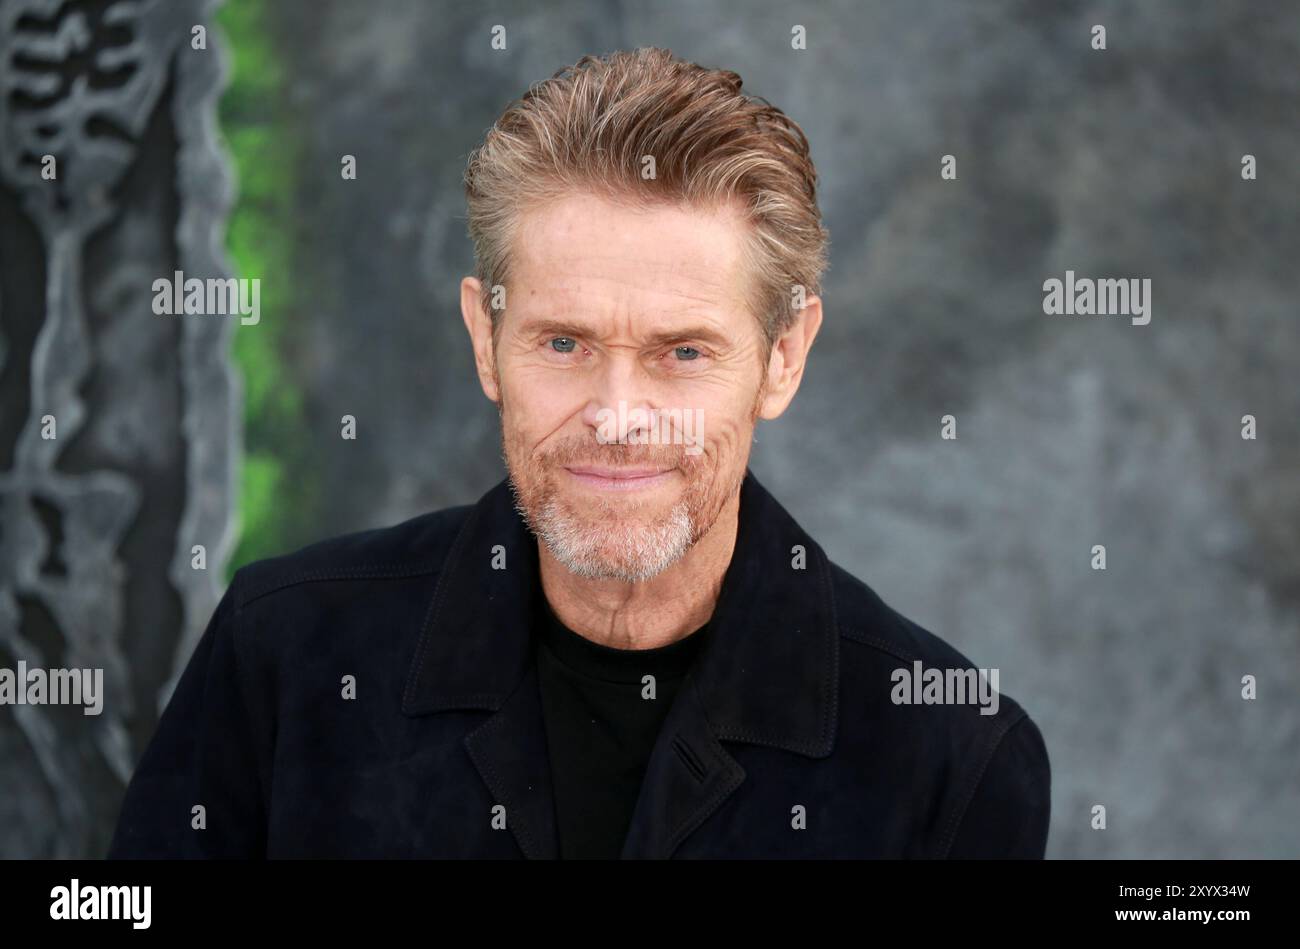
x,y
722,434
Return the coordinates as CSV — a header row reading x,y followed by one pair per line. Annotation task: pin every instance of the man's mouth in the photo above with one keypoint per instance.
x,y
620,477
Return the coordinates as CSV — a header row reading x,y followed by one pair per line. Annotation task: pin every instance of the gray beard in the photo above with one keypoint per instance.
x,y
612,551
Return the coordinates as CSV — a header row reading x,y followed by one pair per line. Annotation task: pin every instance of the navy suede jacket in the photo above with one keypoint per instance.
x,y
374,695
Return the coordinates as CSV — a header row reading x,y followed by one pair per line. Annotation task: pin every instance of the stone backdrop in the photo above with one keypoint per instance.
x,y
1072,431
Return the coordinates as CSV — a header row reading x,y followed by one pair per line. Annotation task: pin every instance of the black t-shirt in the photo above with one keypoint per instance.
x,y
599,729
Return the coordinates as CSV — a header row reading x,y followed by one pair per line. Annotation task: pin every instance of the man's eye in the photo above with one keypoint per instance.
x,y
686,352
563,344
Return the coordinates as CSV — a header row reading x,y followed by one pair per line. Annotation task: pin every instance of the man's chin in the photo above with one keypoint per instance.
x,y
630,548
635,509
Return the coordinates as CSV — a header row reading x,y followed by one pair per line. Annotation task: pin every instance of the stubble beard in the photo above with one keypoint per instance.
x,y
618,538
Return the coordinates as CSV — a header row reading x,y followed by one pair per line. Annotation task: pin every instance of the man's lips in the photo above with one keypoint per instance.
x,y
619,478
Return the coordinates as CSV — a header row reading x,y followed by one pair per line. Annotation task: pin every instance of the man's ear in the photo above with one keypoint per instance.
x,y
479,324
789,355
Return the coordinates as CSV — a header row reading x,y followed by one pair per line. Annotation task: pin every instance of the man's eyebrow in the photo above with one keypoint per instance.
x,y
544,325
538,326
705,334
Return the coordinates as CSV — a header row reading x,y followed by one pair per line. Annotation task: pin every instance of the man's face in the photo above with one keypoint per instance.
x,y
629,378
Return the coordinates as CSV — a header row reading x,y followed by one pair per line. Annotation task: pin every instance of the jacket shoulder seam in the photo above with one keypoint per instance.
x,y
368,572
959,812
867,639
241,680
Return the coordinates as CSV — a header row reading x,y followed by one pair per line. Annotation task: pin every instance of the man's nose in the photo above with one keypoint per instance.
x,y
621,406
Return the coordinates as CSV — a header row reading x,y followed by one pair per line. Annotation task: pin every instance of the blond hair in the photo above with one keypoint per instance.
x,y
589,128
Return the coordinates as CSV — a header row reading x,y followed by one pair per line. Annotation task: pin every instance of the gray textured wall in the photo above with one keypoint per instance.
x,y
1071,431
100,509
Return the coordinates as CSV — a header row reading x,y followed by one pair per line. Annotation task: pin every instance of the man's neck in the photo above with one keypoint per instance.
x,y
652,613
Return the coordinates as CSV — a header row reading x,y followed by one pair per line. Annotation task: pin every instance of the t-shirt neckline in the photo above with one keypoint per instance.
x,y
599,661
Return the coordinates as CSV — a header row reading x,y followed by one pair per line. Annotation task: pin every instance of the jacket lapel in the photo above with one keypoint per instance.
x,y
475,653
509,750
689,776
768,675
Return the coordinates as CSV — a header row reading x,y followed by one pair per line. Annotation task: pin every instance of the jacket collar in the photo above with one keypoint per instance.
x,y
768,674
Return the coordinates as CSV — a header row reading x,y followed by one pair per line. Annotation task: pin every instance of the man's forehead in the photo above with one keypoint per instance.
x,y
584,244
583,287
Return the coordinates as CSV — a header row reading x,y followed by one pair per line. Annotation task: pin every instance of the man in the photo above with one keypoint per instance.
x,y
627,648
